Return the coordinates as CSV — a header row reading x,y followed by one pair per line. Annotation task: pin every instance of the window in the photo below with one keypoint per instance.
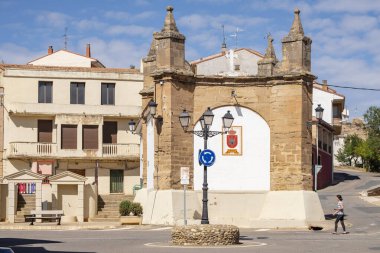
x,y
45,89
337,113
90,137
77,93
69,137
108,94
110,132
45,131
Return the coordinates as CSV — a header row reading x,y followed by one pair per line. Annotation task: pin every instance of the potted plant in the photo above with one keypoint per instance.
x,y
130,213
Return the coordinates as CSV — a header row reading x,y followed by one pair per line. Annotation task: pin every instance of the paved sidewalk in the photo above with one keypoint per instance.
x,y
65,226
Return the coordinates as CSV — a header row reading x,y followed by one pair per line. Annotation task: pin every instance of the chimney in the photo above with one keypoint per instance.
x,y
88,50
324,85
50,50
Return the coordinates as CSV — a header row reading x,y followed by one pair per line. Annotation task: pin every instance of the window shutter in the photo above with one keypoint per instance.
x,y
90,137
48,92
81,93
73,93
69,137
104,94
111,94
41,92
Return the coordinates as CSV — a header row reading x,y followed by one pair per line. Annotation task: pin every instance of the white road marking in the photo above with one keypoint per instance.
x,y
262,229
242,245
113,229
160,229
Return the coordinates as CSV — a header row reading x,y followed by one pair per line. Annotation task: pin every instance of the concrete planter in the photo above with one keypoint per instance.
x,y
130,220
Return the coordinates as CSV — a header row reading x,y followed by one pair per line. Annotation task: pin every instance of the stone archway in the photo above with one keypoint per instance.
x,y
246,167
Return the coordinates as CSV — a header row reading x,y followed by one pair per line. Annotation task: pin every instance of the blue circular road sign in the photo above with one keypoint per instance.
x,y
207,157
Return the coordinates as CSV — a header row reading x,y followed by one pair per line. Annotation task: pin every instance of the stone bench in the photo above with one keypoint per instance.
x,y
45,215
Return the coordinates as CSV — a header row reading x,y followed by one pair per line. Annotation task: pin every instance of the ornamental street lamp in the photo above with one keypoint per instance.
x,y
206,122
152,107
132,126
319,115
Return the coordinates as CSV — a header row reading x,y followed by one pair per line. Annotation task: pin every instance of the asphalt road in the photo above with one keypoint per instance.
x,y
364,231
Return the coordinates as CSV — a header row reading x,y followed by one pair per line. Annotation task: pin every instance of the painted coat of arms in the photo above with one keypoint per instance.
x,y
232,142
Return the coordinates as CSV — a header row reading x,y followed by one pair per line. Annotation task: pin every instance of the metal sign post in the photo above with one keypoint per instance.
x,y
317,169
185,180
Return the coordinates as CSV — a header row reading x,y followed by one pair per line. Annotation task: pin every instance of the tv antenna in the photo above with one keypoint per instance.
x,y
224,45
236,35
65,38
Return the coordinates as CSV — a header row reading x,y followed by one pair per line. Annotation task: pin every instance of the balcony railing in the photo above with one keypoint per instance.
x,y
50,150
32,148
111,150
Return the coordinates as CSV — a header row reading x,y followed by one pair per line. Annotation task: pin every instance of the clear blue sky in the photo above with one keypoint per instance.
x,y
345,33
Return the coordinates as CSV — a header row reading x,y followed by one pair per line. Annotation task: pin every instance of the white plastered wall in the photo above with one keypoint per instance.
x,y
63,58
246,60
248,172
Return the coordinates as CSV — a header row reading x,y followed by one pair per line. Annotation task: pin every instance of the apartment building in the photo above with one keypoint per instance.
x,y
66,143
328,127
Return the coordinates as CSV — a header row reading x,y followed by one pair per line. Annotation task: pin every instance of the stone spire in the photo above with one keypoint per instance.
x,y
270,53
169,24
297,25
170,44
296,48
267,64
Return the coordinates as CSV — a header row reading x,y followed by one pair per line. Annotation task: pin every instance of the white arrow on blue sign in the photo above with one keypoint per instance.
x,y
207,157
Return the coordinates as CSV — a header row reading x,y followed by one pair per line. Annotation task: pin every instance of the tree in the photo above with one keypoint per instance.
x,y
370,149
372,119
349,152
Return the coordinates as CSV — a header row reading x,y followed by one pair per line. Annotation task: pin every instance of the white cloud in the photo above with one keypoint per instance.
x,y
351,6
123,15
116,53
197,21
54,19
86,24
353,71
133,30
15,54
352,24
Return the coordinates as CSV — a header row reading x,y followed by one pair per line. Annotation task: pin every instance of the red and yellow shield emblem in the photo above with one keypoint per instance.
x,y
232,139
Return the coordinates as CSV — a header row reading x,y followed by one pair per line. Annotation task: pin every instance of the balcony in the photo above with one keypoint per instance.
x,y
337,125
51,151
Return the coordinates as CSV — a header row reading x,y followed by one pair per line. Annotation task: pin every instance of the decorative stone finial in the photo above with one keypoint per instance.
x,y
270,53
296,26
169,24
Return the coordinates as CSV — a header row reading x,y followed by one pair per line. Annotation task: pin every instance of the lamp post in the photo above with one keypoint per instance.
x,y
206,122
319,115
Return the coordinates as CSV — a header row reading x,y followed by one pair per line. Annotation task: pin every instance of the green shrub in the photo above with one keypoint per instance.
x,y
136,209
125,207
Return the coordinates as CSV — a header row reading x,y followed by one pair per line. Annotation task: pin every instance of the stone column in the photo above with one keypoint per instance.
x,y
80,138
59,137
54,200
80,208
38,196
11,201
100,140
